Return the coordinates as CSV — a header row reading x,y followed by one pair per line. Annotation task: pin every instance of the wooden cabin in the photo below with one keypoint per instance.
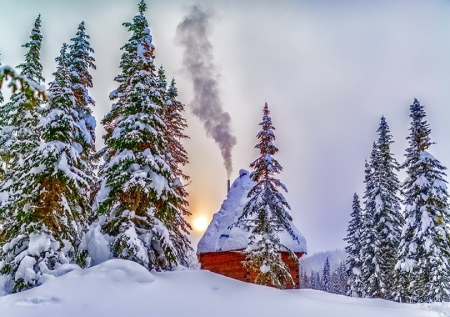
x,y
220,248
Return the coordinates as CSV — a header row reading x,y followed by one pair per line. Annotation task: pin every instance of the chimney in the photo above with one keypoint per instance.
x,y
228,186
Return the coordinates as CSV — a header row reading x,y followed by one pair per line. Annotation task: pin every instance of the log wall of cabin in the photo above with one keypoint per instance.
x,y
229,263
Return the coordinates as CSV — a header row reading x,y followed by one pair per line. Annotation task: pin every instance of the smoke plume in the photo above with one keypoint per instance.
x,y
192,34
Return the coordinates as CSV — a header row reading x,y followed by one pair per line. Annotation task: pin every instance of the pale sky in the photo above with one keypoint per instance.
x,y
328,69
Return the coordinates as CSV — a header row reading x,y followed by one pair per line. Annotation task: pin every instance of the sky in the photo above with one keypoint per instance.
x,y
328,70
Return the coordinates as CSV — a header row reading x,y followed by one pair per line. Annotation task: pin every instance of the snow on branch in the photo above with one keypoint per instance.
x,y
32,90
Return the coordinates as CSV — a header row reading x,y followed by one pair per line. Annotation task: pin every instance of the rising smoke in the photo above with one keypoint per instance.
x,y
192,34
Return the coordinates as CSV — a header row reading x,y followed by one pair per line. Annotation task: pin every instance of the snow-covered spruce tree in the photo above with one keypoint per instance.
x,y
34,94
135,177
265,214
176,124
175,210
423,272
388,217
19,117
79,62
353,249
18,138
319,285
304,280
335,288
343,278
312,280
47,217
32,67
326,276
369,242
383,219
366,232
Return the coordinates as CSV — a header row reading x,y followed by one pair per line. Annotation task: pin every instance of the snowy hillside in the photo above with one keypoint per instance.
x,y
124,288
316,261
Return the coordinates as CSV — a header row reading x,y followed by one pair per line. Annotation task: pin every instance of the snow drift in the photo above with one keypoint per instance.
x,y
123,288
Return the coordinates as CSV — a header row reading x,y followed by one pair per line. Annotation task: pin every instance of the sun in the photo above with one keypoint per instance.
x,y
200,223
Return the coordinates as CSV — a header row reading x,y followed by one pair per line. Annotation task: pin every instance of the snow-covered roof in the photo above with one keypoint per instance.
x,y
218,237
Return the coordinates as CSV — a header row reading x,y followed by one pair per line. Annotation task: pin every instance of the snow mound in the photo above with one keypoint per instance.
x,y
123,288
96,243
218,236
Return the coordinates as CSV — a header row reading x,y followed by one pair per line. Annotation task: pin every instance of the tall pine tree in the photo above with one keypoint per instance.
x,y
367,233
176,157
388,217
312,280
79,61
32,67
19,116
383,219
48,214
19,137
353,249
266,214
335,280
319,285
326,277
343,278
304,280
136,193
423,272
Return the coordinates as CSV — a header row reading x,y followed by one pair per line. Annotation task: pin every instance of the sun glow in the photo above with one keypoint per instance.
x,y
200,223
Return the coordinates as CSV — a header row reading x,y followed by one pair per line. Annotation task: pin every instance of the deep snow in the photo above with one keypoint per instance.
x,y
123,288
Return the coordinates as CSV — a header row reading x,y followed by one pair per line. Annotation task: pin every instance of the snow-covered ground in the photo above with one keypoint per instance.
x,y
124,288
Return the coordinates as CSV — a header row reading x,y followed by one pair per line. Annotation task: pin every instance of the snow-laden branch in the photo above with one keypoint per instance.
x,y
32,90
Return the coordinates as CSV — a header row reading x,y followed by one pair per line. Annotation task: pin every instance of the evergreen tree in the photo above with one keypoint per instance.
x,y
34,94
19,137
319,285
353,249
47,214
422,268
312,280
343,279
306,282
265,214
326,276
136,182
79,61
388,217
19,116
172,114
369,273
335,280
32,67
176,157
383,219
